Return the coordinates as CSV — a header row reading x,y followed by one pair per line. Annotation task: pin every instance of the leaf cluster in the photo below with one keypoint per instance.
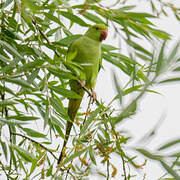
x,y
34,79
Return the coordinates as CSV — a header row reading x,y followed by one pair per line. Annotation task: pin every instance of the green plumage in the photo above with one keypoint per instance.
x,y
85,51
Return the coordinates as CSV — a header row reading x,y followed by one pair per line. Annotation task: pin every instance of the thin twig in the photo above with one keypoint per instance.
x,y
88,109
3,168
32,140
122,158
44,36
144,176
173,164
124,167
2,94
107,170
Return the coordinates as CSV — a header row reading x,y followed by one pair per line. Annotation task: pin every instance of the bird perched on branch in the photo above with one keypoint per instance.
x,y
85,51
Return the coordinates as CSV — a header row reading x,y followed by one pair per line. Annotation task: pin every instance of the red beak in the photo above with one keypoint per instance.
x,y
104,34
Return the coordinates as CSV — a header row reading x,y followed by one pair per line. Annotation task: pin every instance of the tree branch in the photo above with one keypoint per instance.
x,y
124,167
3,168
18,134
44,36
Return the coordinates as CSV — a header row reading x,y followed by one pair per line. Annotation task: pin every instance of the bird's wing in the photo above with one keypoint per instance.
x,y
71,53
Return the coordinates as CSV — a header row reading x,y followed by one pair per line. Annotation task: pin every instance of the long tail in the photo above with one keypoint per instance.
x,y
73,107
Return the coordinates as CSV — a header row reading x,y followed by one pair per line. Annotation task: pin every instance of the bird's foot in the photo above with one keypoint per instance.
x,y
82,83
93,94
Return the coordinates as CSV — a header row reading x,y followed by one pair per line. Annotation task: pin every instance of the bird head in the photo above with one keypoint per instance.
x,y
97,32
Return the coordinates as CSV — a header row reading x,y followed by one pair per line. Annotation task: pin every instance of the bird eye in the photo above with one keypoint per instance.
x,y
97,28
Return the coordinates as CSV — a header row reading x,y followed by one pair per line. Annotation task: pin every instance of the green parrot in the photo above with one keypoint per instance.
x,y
86,52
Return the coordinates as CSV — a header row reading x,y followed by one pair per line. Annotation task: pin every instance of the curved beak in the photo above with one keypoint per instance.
x,y
104,34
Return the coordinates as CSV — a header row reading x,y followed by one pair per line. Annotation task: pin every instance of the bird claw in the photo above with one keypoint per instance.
x,y
93,94
83,83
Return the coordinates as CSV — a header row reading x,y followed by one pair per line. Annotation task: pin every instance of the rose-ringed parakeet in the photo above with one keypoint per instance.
x,y
85,51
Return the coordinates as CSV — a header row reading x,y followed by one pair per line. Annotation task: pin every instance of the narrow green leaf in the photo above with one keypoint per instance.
x,y
4,59
35,161
23,118
161,59
52,31
58,129
177,163
93,18
58,106
131,89
138,28
61,73
149,154
141,75
129,159
19,82
139,48
26,105
58,177
10,33
33,133
175,155
89,120
105,133
27,17
170,170
108,47
128,111
73,156
127,60
11,49
143,57
11,122
4,148
5,103
32,76
118,89
30,66
126,8
6,89
170,80
24,154
73,18
58,122
91,155
160,34
68,40
129,32
7,3
53,18
169,144
65,92
31,5
102,140
139,15
113,61
174,54
13,157
49,171
58,126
